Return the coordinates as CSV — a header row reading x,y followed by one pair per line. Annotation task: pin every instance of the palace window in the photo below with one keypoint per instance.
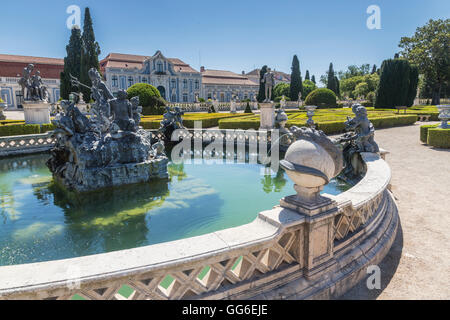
x,y
185,97
144,80
174,83
115,81
160,67
185,84
130,81
197,84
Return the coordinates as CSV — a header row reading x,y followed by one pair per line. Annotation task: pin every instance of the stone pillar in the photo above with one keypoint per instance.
x,y
318,232
36,112
267,116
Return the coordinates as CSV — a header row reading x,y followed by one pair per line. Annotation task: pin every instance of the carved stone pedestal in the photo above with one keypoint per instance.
x,y
36,112
319,232
267,116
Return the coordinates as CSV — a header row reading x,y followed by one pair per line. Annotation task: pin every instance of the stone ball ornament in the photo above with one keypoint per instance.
x,y
311,162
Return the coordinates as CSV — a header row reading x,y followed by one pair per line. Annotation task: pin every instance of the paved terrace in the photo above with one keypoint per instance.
x,y
418,265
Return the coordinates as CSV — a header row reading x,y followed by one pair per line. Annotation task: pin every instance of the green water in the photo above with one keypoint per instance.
x,y
41,222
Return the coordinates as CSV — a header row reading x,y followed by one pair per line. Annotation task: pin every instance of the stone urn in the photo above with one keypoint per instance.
x,y
444,115
311,162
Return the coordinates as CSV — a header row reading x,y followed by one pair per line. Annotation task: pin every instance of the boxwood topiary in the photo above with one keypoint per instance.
x,y
424,131
322,98
149,97
439,138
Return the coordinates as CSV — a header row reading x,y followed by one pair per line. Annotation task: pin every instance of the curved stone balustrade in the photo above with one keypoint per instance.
x,y
281,255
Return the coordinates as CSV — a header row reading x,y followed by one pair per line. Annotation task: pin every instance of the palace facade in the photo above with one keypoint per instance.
x,y
176,80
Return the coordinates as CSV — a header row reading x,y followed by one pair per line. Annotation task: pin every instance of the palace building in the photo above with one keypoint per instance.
x,y
175,80
11,69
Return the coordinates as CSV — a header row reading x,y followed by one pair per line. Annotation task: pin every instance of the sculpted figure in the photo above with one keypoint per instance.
x,y
269,82
364,130
122,112
25,81
136,110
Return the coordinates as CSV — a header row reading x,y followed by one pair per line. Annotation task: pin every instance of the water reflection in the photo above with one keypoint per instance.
x,y
40,221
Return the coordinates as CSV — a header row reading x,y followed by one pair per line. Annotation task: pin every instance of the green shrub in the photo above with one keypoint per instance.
x,y
322,98
19,129
201,100
332,127
279,98
424,131
439,138
3,122
150,124
149,97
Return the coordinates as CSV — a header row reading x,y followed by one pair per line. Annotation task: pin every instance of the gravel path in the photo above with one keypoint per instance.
x,y
418,265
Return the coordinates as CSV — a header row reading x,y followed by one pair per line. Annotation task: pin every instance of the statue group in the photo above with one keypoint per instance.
x,y
106,149
33,88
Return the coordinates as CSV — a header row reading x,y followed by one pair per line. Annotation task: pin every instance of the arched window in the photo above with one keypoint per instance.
x,y
115,81
159,67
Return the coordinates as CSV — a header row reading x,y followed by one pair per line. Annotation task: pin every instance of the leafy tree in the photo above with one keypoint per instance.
x,y
296,79
307,75
71,63
313,79
262,91
322,97
413,84
89,53
397,83
429,49
282,89
308,87
348,86
361,90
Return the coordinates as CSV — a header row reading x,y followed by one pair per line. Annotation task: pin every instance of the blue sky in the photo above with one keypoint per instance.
x,y
232,35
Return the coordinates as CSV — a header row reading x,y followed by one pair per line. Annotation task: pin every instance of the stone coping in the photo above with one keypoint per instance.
x,y
29,279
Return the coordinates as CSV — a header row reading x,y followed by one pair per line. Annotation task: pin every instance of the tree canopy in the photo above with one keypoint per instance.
x,y
72,63
296,79
429,49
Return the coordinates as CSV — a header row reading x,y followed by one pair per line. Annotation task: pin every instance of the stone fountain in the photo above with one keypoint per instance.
x,y
107,149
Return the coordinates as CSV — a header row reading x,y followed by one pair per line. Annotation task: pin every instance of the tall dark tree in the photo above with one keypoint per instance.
x,y
331,81
313,79
89,55
296,80
374,69
338,86
72,63
262,90
398,84
307,75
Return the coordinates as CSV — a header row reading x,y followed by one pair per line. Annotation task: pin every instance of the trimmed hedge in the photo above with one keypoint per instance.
x,y
208,120
322,97
3,122
424,131
149,98
19,129
439,138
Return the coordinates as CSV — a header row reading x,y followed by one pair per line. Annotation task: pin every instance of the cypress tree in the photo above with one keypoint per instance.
x,y
331,84
374,69
71,63
307,75
398,84
262,89
89,54
296,80
338,86
313,79
413,83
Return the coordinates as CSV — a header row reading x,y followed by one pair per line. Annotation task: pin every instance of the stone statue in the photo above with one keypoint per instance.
x,y
107,149
283,102
269,82
255,102
136,110
360,138
172,120
33,88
